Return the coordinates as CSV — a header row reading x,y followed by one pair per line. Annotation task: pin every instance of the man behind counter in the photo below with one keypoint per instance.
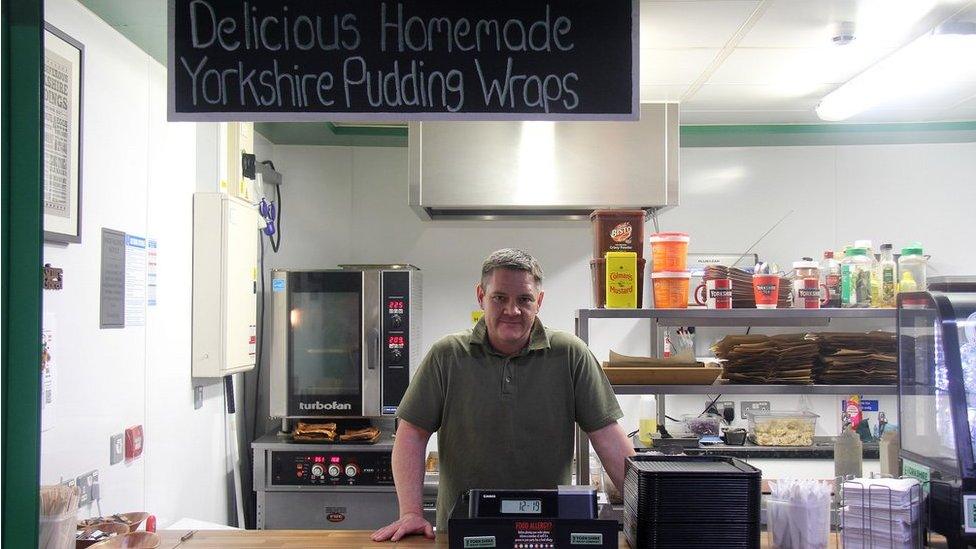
x,y
503,398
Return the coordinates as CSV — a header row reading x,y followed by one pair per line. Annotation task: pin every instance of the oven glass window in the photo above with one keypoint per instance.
x,y
325,343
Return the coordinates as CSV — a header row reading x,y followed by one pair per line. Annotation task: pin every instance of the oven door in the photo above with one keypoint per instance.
x,y
319,340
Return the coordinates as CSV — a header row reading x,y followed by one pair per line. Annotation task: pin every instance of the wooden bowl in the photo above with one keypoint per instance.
x,y
134,519
116,528
132,540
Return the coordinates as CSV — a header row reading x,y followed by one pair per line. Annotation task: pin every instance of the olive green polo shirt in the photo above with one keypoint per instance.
x,y
506,421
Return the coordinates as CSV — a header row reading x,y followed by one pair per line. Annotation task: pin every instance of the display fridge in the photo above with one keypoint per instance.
x,y
937,404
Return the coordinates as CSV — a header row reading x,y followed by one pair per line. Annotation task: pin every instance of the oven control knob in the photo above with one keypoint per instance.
x,y
396,319
317,470
352,470
396,353
334,470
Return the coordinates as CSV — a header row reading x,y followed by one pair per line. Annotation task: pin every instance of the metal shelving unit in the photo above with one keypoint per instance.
x,y
701,317
736,389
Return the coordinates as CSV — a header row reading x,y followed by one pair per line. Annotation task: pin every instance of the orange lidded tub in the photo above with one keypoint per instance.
x,y
669,252
671,289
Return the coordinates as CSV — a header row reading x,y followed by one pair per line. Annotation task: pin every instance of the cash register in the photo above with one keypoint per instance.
x,y
524,519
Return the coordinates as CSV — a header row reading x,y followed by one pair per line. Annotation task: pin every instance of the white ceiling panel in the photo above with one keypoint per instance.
x,y
896,115
699,24
797,68
779,69
756,97
691,116
650,92
799,23
659,67
942,98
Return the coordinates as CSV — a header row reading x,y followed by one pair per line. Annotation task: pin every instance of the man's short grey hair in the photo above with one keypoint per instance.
x,y
514,259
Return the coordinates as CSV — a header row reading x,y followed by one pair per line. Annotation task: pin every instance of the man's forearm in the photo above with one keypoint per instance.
x,y
613,447
408,468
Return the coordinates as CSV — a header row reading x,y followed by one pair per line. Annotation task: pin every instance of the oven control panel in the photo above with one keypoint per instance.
x,y
396,337
339,468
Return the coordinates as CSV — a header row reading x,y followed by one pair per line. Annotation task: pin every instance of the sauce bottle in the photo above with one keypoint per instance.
x,y
830,276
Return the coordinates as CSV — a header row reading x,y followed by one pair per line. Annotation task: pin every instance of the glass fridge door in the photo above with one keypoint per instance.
x,y
937,381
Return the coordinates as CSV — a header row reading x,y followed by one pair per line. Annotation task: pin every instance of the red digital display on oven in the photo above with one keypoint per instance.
x,y
318,459
396,340
395,304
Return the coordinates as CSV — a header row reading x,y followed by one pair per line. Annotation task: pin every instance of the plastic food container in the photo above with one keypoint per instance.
x,y
700,426
598,277
792,428
618,231
669,252
671,289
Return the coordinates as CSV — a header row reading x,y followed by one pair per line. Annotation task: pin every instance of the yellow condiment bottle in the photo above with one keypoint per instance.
x,y
621,280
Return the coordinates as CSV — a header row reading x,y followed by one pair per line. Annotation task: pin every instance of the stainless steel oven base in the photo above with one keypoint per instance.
x,y
326,510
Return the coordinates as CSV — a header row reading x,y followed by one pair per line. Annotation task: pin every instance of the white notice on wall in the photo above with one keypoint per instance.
x,y
151,264
135,280
49,389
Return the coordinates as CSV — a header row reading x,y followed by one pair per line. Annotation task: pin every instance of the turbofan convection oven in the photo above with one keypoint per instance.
x,y
344,341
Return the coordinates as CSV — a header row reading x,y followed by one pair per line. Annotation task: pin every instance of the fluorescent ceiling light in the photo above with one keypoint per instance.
x,y
927,64
886,22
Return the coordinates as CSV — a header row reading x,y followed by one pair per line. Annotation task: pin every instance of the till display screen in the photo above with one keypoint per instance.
x,y
521,506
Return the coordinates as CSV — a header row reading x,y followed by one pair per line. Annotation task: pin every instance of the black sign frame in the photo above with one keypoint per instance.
x,y
623,109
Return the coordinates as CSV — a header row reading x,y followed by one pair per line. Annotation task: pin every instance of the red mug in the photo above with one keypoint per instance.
x,y
766,290
807,293
715,293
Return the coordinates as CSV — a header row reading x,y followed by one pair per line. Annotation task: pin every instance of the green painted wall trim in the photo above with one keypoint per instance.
x,y
20,233
690,130
691,135
327,134
826,134
367,130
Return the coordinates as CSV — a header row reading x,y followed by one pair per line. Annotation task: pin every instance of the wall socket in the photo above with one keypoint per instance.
x,y
749,406
719,404
88,486
116,448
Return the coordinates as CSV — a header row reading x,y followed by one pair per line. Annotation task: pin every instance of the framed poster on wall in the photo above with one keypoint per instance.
x,y
63,69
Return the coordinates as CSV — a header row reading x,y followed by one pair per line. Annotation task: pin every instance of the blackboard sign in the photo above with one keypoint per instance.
x,y
307,60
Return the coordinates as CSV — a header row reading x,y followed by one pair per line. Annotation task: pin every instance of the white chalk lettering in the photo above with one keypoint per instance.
x,y
194,27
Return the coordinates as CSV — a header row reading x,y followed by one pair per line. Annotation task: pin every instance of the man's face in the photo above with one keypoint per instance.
x,y
511,301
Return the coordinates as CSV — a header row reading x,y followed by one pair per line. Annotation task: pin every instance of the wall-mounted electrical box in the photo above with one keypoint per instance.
x,y
225,243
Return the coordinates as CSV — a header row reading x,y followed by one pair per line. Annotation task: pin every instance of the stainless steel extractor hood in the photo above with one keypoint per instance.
x,y
532,170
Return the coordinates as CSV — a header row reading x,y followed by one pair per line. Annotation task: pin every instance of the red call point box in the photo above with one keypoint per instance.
x,y
133,442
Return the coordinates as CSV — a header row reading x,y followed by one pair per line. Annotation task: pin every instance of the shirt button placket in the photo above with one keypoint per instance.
x,y
508,378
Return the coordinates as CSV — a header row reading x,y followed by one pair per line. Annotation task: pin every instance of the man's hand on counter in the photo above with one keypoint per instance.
x,y
410,523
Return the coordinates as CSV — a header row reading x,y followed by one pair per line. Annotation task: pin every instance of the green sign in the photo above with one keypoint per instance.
x,y
586,539
479,541
917,471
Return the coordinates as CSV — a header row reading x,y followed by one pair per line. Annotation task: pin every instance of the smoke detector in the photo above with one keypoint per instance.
x,y
843,33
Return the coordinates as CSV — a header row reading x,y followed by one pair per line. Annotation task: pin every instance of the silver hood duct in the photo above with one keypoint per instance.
x,y
543,170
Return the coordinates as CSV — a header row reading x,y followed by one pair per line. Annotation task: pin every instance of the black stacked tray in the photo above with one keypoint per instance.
x,y
691,501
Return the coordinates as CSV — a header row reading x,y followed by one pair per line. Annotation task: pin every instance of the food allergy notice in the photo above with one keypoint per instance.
x,y
123,289
135,280
280,60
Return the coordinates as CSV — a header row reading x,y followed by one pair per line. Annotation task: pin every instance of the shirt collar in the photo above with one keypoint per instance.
x,y
538,338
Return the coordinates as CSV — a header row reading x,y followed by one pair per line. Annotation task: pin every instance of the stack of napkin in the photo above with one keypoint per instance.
x,y
854,358
787,358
